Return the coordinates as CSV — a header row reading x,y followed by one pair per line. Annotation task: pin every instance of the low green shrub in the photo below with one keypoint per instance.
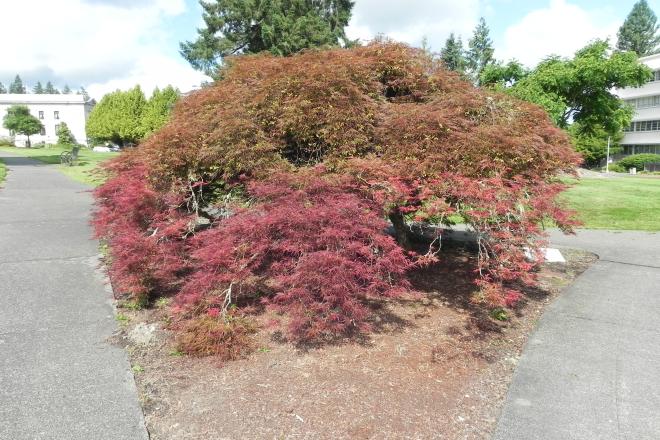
x,y
616,168
638,161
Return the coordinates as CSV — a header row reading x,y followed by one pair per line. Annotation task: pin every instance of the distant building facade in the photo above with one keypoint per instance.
x,y
51,110
643,135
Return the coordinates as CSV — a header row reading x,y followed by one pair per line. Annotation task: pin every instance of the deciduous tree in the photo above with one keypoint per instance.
x,y
271,186
19,120
281,27
639,32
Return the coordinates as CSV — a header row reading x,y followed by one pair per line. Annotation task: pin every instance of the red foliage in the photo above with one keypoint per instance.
x,y
299,249
297,161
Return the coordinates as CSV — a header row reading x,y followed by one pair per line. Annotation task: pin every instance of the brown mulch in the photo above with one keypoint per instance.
x,y
435,368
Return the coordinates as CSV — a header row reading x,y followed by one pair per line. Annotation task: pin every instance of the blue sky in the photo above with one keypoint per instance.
x,y
109,44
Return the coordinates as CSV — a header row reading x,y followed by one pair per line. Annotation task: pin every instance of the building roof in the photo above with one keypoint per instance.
x,y
33,98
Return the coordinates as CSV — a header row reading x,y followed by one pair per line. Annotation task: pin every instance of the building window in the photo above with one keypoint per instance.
x,y
638,149
41,115
57,127
56,114
646,102
43,131
644,126
656,76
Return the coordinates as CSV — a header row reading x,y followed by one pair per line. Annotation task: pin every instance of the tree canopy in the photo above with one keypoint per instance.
x,y
271,187
38,88
480,52
126,117
453,54
64,135
157,109
17,86
577,91
282,27
639,32
50,89
2,88
19,120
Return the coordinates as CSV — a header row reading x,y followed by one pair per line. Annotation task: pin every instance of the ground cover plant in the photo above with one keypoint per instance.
x,y
82,171
3,171
271,189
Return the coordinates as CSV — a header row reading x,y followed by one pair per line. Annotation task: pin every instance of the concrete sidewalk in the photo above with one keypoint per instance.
x,y
59,378
591,369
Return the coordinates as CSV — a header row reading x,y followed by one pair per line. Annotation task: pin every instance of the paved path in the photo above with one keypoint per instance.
x,y
591,370
59,378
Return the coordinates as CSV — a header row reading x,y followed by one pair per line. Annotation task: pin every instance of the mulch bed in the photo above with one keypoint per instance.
x,y
435,367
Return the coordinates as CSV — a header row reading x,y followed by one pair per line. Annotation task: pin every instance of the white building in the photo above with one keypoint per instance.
x,y
643,135
51,110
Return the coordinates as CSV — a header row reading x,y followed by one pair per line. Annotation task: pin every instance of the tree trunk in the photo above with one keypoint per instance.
x,y
400,229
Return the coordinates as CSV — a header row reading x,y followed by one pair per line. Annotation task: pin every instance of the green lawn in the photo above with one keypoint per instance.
x,y
617,202
3,171
81,171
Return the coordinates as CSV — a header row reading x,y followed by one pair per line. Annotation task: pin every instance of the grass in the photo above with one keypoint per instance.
x,y
619,203
82,171
3,172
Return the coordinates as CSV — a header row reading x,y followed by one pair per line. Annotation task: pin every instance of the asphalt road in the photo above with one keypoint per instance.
x,y
59,377
591,369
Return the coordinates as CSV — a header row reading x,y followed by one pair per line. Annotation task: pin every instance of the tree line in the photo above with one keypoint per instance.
x,y
18,87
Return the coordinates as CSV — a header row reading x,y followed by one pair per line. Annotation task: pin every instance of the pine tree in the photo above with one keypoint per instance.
x,y
280,27
50,89
84,93
17,86
453,54
38,88
639,32
481,50
2,88
66,90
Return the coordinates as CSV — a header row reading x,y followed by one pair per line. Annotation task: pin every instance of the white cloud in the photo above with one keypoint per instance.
x,y
412,20
560,29
97,43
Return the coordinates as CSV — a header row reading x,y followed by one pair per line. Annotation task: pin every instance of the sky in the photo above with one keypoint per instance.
x,y
106,45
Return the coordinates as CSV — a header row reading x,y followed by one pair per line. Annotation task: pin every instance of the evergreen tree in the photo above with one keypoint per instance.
x,y
118,117
66,90
64,135
84,93
2,88
50,89
481,50
453,54
157,109
639,32
38,88
17,86
282,27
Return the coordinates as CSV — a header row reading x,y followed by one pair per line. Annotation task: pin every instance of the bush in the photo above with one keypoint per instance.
x,y
615,168
638,161
271,187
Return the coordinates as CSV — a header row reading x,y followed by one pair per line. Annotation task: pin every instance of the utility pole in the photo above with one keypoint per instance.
x,y
607,163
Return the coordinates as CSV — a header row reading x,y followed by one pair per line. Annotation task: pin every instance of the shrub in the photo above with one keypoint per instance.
x,y
616,168
638,161
272,187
